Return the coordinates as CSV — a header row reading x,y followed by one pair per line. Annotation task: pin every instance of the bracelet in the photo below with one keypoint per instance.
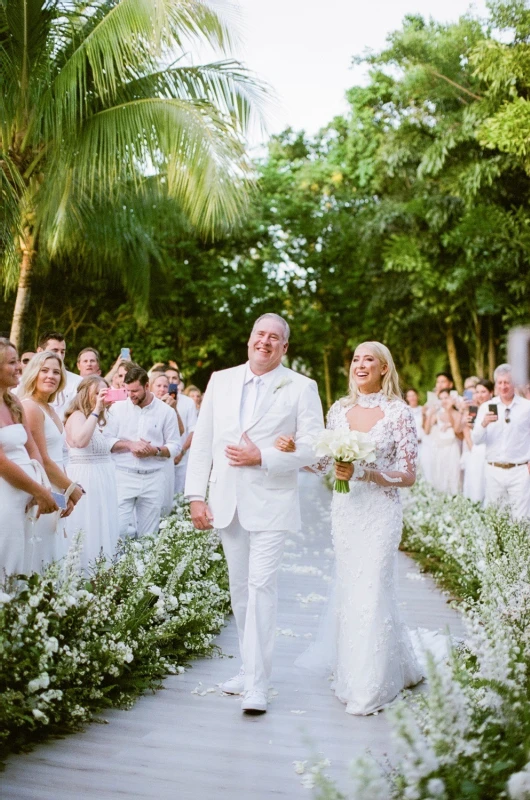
x,y
93,414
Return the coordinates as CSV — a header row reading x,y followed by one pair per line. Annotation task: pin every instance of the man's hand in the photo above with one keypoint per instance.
x,y
489,418
249,455
201,515
142,449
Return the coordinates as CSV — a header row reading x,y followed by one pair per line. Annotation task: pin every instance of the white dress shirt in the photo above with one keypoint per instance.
x,y
156,423
254,387
506,442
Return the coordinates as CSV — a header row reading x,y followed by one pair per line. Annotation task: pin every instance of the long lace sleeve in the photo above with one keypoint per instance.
x,y
323,465
403,472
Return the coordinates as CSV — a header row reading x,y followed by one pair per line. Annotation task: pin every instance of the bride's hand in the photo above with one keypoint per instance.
x,y
286,444
343,471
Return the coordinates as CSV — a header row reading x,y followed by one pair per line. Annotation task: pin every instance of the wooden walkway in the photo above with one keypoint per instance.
x,y
189,741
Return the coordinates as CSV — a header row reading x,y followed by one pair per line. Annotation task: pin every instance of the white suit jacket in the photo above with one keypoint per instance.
x,y
265,499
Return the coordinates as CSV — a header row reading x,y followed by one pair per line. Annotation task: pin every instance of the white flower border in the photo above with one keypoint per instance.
x,y
70,646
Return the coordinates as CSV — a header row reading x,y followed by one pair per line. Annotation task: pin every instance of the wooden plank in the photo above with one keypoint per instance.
x,y
175,744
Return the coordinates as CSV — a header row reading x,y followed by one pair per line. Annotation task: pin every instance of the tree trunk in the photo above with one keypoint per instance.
x,y
453,360
479,350
23,291
327,378
492,359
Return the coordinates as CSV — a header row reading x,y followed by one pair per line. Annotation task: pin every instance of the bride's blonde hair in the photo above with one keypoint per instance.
x,y
390,382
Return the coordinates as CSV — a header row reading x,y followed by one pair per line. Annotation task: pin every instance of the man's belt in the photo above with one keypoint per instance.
x,y
507,466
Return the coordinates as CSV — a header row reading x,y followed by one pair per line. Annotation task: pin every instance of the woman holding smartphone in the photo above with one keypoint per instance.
x,y
20,486
475,462
445,427
90,465
42,381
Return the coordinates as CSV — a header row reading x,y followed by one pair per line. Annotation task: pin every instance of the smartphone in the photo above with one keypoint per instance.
x,y
492,408
115,395
468,394
173,389
472,412
60,499
125,353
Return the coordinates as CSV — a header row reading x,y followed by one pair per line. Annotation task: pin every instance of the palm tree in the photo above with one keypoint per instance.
x,y
99,110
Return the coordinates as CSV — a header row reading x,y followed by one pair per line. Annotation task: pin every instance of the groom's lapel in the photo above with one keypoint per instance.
x,y
268,397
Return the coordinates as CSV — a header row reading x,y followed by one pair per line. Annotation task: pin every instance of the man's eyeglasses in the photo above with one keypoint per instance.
x,y
507,414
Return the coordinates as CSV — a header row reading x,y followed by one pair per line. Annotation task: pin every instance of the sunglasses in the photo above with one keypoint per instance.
x,y
507,414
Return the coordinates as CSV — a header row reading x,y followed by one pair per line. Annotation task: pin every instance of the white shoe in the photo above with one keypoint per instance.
x,y
254,702
235,685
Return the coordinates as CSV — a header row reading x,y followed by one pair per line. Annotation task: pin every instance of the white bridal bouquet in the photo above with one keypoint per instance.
x,y
347,446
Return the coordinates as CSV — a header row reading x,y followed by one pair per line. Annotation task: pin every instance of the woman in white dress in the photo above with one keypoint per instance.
x,y
19,479
374,658
90,465
444,426
42,381
475,462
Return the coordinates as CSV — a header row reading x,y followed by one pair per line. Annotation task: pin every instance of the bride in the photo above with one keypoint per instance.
x,y
374,658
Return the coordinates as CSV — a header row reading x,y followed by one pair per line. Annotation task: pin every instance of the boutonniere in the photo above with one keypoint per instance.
x,y
282,383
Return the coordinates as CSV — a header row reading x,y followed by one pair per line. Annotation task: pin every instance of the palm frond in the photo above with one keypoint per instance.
x,y
202,158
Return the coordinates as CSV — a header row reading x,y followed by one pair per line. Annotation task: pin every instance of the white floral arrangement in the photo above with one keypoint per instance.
x,y
70,646
344,446
467,736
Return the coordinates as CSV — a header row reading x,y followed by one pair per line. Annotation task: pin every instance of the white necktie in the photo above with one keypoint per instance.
x,y
251,401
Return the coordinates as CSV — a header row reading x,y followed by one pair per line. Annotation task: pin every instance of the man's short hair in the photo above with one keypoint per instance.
x,y
277,318
503,369
45,337
136,374
89,350
445,375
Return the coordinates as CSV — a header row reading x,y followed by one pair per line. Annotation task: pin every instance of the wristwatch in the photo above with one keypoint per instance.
x,y
159,453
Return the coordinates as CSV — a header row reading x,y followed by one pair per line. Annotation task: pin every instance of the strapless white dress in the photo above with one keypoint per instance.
x,y
13,502
96,513
45,540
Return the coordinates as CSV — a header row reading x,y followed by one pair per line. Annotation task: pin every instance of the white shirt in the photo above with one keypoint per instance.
x,y
506,442
254,388
156,423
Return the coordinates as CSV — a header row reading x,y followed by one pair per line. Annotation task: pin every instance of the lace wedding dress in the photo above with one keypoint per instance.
x,y
374,658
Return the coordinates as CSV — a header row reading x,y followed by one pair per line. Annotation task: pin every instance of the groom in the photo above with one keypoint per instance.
x,y
253,487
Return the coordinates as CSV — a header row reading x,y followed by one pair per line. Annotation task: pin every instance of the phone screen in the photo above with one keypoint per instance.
x,y
173,389
492,408
60,499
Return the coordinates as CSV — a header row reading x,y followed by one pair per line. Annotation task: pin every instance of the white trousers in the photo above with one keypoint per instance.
x,y
511,487
140,499
253,559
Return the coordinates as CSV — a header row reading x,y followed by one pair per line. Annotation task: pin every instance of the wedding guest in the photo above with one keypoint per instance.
x,y
88,362
25,358
42,381
90,465
443,424
54,342
196,395
504,426
474,455
188,413
143,433
418,412
116,376
19,469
